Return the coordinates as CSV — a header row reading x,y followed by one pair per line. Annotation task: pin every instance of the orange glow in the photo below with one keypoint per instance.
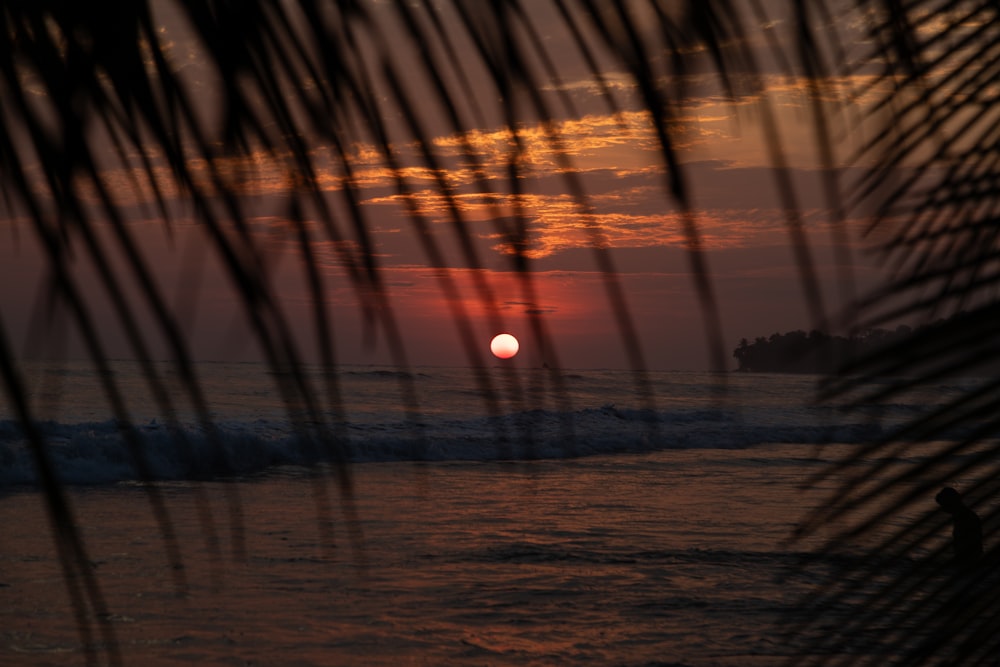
x,y
504,346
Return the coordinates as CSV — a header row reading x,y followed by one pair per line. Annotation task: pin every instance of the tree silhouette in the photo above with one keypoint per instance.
x,y
88,87
823,353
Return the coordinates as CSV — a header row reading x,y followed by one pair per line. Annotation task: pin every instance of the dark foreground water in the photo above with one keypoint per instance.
x,y
521,518
677,557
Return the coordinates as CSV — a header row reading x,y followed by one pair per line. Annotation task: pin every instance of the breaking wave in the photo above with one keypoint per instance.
x,y
104,452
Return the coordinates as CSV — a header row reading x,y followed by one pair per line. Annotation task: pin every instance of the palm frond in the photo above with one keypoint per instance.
x,y
75,80
932,154
84,89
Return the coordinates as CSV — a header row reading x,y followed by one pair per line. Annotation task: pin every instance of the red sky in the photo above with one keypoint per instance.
x,y
616,158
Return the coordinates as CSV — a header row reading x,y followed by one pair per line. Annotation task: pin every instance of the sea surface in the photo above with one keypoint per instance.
x,y
431,516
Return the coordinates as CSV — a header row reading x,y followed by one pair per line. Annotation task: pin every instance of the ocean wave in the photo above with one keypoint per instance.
x,y
106,453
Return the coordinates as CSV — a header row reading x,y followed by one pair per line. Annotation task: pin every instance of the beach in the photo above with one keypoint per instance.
x,y
474,551
673,557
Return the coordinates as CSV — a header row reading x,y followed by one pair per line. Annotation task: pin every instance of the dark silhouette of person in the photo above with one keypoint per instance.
x,y
967,531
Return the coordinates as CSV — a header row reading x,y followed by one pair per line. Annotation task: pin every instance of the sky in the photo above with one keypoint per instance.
x,y
445,300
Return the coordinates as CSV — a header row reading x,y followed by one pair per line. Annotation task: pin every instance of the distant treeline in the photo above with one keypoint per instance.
x,y
820,352
813,352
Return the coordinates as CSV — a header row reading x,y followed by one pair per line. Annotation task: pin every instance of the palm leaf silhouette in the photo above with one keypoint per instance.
x,y
83,89
931,153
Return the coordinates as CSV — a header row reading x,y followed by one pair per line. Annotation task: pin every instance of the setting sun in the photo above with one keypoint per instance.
x,y
504,346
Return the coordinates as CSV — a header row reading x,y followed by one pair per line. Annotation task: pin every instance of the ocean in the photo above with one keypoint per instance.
x,y
432,516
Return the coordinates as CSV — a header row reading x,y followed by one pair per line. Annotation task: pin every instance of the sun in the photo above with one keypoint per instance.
x,y
504,346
